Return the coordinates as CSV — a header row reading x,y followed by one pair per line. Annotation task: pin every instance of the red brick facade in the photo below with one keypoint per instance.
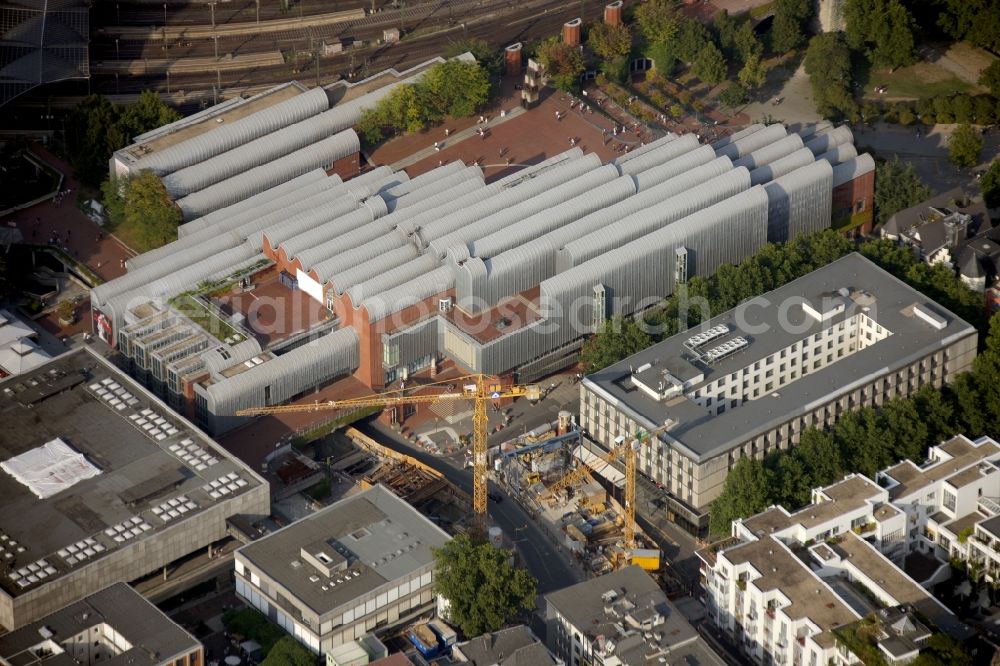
x,y
853,204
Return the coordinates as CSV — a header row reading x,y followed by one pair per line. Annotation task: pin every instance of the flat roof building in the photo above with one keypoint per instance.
x,y
360,565
506,278
115,626
102,483
780,584
621,619
749,381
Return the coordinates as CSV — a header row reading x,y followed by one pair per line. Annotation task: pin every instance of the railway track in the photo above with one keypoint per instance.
x,y
509,23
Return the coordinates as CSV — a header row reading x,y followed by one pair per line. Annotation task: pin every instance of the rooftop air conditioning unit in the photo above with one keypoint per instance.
x,y
445,304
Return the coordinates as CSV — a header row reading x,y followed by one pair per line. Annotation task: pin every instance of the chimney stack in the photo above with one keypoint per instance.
x,y
571,32
613,13
512,59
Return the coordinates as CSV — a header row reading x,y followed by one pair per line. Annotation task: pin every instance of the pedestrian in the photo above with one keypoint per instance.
x,y
121,263
437,146
447,131
508,161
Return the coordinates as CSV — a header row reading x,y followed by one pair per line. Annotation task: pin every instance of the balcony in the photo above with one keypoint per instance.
x,y
989,505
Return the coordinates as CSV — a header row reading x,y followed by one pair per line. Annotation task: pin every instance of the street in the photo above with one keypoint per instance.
x,y
540,555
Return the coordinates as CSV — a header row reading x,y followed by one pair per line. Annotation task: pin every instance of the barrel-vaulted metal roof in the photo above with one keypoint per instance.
x,y
780,167
770,152
559,195
362,253
367,270
754,141
250,222
221,357
644,149
370,182
435,175
320,253
428,190
663,153
320,154
285,376
799,202
842,153
679,165
506,198
648,220
821,143
735,136
392,277
851,169
409,293
255,153
372,209
252,203
228,136
531,227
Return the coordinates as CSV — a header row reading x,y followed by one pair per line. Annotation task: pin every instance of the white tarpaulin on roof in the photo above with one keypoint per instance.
x,y
50,468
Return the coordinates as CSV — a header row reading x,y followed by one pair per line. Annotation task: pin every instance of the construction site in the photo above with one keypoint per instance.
x,y
549,471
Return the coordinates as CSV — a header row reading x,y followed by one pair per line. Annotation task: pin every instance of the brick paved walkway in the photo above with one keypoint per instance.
x,y
76,232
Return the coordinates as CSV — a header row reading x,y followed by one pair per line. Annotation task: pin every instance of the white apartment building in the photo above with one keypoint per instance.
x,y
781,585
361,565
749,381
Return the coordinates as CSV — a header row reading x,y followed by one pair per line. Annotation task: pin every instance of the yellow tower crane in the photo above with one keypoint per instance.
x,y
479,389
629,447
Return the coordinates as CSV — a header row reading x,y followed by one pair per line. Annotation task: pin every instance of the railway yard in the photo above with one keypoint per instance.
x,y
192,52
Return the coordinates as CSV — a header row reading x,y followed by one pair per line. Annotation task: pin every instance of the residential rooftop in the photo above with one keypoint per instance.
x,y
810,597
963,452
766,325
617,604
348,549
841,497
138,469
515,646
146,636
882,572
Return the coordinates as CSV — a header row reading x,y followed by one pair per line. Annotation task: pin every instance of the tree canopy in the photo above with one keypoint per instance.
x,y
885,29
753,73
989,183
96,128
977,21
828,64
658,20
610,41
483,589
141,211
289,652
964,146
991,78
710,64
618,338
791,24
451,88
897,187
488,57
748,493
563,62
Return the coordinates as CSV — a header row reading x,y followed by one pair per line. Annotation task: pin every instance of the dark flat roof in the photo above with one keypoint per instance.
x,y
383,537
873,291
138,471
154,637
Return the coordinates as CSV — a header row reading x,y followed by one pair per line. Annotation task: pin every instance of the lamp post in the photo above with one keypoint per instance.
x,y
118,13
118,91
118,53
216,38
165,47
168,81
211,6
258,11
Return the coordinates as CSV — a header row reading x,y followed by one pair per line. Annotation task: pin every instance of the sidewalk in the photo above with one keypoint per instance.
x,y
77,234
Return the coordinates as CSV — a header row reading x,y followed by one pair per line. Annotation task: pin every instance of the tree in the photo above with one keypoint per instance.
x,y
754,73
691,37
488,57
482,588
724,26
610,42
455,88
791,21
746,43
96,128
897,187
977,21
747,490
942,650
289,652
618,338
964,146
885,28
563,63
148,212
821,456
828,64
658,20
710,65
990,78
989,183
734,95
